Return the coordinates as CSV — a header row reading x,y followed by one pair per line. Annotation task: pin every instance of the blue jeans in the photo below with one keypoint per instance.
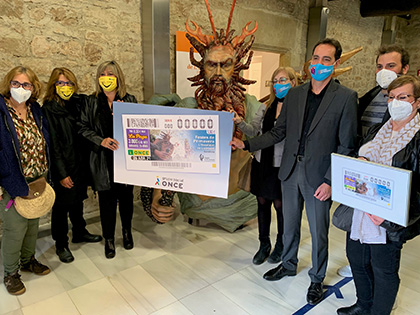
x,y
375,274
19,237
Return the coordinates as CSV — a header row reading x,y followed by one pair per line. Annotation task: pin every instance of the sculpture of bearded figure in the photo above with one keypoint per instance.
x,y
220,87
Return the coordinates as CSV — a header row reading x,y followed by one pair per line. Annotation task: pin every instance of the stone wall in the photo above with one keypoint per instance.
x,y
44,34
407,35
346,25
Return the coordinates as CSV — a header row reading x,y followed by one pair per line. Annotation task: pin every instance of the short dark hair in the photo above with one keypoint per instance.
x,y
386,49
333,42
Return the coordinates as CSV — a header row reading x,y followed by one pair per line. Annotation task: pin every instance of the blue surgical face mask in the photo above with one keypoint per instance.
x,y
320,72
281,89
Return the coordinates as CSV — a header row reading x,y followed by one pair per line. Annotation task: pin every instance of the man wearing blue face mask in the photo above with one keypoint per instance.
x,y
317,119
391,61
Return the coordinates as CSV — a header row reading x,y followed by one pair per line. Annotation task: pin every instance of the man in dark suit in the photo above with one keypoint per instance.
x,y
317,119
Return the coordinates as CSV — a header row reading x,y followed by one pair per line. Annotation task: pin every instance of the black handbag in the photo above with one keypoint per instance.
x,y
343,217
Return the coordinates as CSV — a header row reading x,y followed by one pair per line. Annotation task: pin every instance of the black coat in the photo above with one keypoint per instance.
x,y
96,125
69,151
408,158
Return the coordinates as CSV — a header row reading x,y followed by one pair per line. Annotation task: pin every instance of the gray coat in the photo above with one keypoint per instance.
x,y
254,128
333,129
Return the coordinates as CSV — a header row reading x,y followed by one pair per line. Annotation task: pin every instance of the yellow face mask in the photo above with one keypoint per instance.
x,y
65,92
108,84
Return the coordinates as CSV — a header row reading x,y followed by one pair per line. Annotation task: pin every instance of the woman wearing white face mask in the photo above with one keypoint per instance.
x,y
374,244
24,141
97,127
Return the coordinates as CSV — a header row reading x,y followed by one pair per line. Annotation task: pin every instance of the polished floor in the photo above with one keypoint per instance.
x,y
179,268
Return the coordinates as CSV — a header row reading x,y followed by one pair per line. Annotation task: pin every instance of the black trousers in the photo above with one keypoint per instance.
x,y
264,220
108,199
59,222
375,274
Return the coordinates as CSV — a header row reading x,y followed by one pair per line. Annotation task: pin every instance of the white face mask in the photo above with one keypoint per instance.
x,y
20,95
385,77
399,110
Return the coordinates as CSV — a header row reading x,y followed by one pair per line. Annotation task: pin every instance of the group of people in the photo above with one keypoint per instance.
x,y
292,137
303,125
69,141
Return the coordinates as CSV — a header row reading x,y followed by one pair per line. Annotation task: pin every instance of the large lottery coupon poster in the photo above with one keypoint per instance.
x,y
181,143
172,148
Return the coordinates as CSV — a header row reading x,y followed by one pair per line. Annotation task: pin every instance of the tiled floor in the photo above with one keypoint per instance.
x,y
179,268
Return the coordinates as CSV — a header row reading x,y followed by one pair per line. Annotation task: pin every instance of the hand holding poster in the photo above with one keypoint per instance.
x,y
172,148
374,188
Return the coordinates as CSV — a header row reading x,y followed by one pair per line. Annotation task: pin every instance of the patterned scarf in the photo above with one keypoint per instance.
x,y
383,147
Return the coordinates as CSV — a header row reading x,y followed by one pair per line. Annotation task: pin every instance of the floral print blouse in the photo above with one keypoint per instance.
x,y
31,143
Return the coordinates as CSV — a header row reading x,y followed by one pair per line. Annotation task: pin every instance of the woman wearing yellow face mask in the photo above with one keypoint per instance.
x,y
97,127
62,107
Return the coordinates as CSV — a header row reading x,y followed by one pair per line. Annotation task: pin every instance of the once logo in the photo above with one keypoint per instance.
x,y
176,185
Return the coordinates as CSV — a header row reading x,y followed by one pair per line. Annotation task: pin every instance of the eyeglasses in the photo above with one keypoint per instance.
x,y
400,97
64,83
25,85
281,80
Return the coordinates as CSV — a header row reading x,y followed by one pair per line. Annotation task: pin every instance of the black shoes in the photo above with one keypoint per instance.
x,y
278,273
87,238
315,293
127,239
110,245
262,254
109,248
64,254
353,310
275,256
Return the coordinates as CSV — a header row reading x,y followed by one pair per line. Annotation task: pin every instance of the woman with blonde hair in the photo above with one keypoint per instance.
x,y
24,158
62,107
265,184
97,127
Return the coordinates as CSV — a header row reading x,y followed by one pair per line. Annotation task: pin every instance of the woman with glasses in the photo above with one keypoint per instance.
x,y
24,142
97,127
374,244
62,107
265,183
